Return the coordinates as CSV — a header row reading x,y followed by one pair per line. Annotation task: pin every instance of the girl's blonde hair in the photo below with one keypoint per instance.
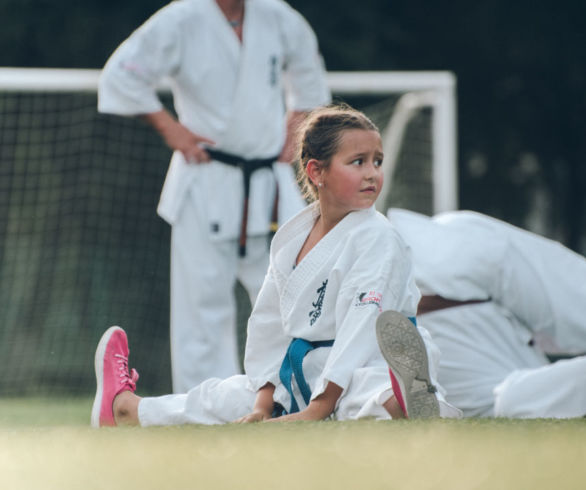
x,y
319,137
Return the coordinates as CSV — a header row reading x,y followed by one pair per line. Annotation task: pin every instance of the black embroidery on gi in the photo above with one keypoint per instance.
x,y
273,70
316,312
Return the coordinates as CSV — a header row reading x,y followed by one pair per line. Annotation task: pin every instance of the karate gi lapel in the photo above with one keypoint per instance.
x,y
229,50
258,91
228,36
318,257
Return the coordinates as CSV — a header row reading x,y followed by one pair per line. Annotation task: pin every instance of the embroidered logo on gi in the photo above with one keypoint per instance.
x,y
369,298
273,70
317,305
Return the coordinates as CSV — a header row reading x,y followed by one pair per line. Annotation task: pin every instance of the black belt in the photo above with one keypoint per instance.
x,y
430,303
248,167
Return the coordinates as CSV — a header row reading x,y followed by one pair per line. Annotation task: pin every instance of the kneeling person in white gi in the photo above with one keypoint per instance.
x,y
496,300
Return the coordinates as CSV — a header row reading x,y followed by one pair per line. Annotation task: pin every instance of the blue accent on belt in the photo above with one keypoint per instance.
x,y
293,364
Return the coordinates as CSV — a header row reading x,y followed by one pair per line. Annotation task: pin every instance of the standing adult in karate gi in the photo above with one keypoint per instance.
x,y
243,73
496,299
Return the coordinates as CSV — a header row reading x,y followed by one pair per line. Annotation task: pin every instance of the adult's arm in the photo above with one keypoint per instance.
x,y
178,137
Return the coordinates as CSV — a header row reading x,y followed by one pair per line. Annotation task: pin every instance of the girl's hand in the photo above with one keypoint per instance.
x,y
319,408
263,406
253,417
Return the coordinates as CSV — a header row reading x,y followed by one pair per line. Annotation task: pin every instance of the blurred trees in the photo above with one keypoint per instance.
x,y
520,67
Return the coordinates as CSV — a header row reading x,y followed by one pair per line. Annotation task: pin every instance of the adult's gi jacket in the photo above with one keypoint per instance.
x,y
233,93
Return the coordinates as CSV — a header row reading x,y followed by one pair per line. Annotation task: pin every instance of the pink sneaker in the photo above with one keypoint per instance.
x,y
405,353
112,376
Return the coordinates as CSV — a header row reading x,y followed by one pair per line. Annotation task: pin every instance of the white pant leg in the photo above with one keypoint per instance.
x,y
370,386
480,345
557,390
447,410
215,401
203,307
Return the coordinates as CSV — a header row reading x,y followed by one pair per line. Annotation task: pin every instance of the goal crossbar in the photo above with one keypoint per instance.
x,y
436,89
81,246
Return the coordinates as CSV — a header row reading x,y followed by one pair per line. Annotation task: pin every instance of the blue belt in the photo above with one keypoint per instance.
x,y
293,364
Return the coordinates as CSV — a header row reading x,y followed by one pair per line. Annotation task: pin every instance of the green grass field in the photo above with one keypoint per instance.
x,y
47,444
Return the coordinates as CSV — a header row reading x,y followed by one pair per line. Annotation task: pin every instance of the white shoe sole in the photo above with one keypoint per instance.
x,y
405,353
99,368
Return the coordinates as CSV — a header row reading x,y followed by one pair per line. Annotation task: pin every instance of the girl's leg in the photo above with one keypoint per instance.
x,y
394,408
215,401
405,352
125,408
413,359
112,376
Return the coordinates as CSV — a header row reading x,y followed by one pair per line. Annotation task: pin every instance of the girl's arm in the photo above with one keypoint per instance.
x,y
263,406
319,408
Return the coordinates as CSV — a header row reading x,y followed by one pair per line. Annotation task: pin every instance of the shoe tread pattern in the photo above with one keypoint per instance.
x,y
405,353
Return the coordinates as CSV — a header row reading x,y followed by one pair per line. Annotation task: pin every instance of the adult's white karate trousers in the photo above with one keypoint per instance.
x,y
203,306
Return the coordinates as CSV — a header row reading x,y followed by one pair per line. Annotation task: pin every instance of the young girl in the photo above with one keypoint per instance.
x,y
312,348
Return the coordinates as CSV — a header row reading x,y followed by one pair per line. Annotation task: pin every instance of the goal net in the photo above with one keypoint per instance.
x,y
81,247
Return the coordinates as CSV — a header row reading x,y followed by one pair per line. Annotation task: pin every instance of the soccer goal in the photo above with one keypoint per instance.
x,y
417,117
81,247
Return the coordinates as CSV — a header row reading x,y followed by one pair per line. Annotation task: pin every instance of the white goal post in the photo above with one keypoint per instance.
x,y
419,89
435,89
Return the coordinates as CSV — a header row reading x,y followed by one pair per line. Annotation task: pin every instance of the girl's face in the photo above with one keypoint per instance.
x,y
354,177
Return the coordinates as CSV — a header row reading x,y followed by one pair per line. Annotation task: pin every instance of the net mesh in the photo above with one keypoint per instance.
x,y
81,247
411,184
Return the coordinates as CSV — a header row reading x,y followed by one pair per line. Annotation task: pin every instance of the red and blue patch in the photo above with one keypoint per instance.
x,y
369,298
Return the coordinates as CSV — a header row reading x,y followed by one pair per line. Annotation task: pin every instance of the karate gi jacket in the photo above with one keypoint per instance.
x,y
233,93
360,268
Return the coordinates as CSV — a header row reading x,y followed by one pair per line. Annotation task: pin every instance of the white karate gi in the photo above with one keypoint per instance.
x,y
336,292
233,93
493,360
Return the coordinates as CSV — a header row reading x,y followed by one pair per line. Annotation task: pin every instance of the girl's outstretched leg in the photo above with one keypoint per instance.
x,y
115,400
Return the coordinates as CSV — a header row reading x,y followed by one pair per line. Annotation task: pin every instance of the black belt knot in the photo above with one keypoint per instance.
x,y
248,167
